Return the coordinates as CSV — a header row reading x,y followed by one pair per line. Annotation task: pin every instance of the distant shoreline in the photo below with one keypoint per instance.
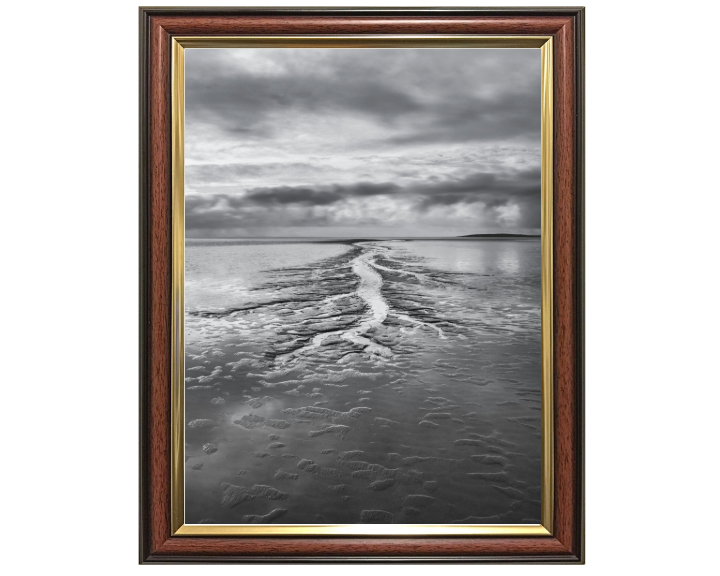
x,y
500,236
343,240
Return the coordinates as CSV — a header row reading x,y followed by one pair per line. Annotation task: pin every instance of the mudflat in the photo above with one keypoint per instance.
x,y
377,381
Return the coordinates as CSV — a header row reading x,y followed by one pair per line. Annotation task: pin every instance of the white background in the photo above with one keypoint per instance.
x,y
69,305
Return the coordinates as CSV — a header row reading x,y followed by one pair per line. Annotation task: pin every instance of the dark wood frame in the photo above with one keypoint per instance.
x,y
157,27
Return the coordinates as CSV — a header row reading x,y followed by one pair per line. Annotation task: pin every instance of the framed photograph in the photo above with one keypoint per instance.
x,y
361,285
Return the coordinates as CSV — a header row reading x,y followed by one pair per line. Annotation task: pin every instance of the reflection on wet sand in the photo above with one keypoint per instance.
x,y
392,382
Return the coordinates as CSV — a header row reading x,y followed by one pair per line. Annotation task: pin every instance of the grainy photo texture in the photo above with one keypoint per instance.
x,y
362,286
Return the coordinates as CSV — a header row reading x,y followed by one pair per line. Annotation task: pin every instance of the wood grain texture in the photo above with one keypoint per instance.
x,y
307,25
157,26
563,277
157,306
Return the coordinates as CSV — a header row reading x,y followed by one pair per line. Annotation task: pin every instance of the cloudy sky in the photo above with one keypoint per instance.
x,y
371,142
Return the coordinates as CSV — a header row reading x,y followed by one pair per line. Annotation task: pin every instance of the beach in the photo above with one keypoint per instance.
x,y
362,381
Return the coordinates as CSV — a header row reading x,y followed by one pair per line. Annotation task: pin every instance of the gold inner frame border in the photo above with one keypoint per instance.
x,y
177,420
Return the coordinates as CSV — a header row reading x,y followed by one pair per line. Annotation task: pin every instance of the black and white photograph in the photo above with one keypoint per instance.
x,y
362,286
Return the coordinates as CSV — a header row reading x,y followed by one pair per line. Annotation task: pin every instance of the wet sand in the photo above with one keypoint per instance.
x,y
369,387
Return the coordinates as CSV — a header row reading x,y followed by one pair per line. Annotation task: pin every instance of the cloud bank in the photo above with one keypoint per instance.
x,y
328,142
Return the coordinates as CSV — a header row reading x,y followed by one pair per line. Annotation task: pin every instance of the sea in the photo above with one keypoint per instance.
x,y
362,380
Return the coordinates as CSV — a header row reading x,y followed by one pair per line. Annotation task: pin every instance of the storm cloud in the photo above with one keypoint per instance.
x,y
327,142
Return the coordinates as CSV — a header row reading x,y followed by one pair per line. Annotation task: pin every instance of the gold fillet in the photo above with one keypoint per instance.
x,y
546,281
177,468
363,530
177,393
365,41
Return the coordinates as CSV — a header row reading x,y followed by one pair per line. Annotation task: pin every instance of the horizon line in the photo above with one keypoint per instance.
x,y
489,234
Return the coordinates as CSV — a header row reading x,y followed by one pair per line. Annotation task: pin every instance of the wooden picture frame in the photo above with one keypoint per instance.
x,y
161,540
